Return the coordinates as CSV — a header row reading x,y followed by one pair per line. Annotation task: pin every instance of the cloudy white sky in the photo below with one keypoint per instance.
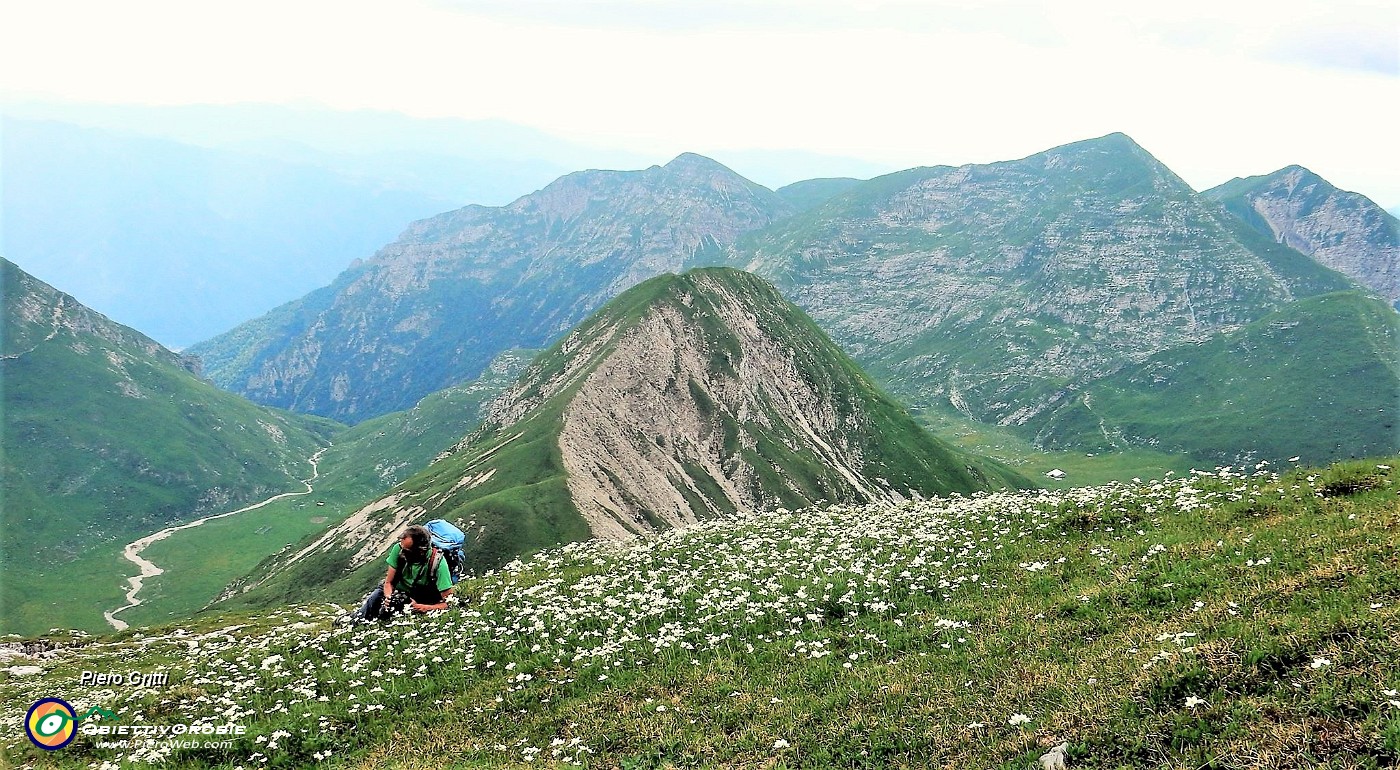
x,y
1214,88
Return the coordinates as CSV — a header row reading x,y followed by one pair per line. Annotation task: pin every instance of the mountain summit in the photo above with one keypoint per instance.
x,y
998,289
1343,230
433,308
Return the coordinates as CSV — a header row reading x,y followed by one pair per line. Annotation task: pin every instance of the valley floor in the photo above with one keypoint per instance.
x,y
148,569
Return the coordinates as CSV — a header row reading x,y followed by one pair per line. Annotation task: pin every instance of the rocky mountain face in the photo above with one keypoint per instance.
x,y
686,398
433,308
1343,230
107,436
1001,288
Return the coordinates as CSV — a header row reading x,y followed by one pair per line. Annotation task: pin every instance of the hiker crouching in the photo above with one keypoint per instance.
x,y
418,576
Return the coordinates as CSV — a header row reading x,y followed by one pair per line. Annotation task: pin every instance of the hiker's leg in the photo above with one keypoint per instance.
x,y
373,602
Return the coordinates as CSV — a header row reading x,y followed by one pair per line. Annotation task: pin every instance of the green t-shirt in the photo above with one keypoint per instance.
x,y
413,574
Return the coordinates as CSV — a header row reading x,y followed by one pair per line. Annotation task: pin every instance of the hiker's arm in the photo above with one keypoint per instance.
x,y
441,605
389,583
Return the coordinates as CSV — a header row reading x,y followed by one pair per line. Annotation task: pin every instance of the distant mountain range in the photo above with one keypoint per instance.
x,y
184,242
1001,291
431,309
184,221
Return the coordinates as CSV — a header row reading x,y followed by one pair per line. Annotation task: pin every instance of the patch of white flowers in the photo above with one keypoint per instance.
x,y
585,612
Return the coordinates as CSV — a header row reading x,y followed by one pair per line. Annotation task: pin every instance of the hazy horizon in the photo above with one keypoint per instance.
x,y
1215,91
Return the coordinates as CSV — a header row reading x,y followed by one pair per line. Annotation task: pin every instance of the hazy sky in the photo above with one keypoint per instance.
x,y
1213,88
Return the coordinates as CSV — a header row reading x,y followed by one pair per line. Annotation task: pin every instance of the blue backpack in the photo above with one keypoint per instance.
x,y
449,540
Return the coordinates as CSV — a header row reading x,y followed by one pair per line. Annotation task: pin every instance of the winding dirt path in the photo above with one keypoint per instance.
x,y
148,569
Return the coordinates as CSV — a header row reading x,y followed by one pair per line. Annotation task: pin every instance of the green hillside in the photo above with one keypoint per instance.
x,y
811,193
510,488
1319,379
1235,619
108,437
200,564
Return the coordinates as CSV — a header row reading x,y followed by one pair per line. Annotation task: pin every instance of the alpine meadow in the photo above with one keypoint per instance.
x,y
1052,462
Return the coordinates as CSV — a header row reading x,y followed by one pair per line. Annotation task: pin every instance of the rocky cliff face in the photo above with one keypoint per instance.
x,y
716,397
997,288
1343,230
686,398
434,307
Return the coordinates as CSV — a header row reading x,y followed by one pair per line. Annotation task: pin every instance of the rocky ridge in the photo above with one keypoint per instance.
x,y
686,398
1343,230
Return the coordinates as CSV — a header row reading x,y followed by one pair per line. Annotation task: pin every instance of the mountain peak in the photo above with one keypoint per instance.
x,y
1298,176
1117,138
691,163
1342,230
1114,142
1112,154
692,396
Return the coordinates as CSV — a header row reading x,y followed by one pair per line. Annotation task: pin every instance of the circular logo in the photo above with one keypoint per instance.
x,y
51,724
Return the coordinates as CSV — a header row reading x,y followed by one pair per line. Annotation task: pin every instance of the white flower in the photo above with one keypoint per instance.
x,y
1321,662
1192,701
1018,719
781,744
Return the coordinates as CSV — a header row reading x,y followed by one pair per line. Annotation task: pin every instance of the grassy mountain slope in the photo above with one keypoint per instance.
x,y
107,436
200,564
1223,620
398,445
811,193
1318,379
656,412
